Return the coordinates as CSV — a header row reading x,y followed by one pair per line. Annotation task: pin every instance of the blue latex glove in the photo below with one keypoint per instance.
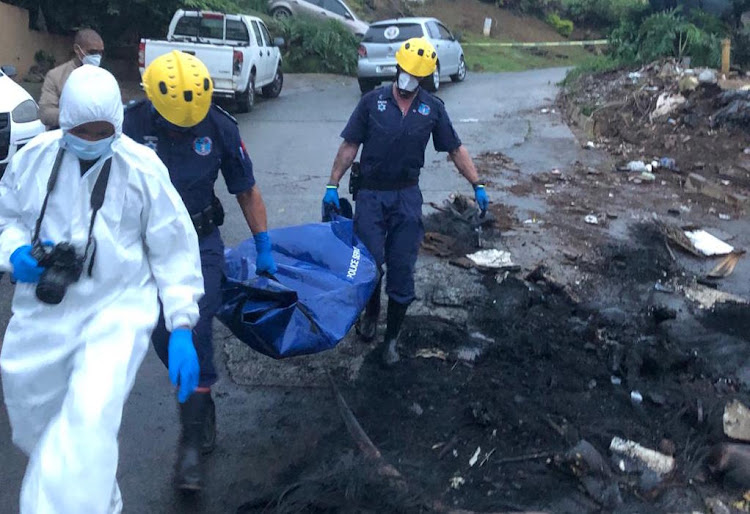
x,y
25,267
332,196
264,261
184,369
480,195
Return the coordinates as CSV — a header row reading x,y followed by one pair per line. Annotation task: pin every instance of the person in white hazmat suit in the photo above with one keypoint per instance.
x,y
81,325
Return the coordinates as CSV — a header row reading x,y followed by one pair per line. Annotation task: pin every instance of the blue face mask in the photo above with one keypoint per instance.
x,y
88,150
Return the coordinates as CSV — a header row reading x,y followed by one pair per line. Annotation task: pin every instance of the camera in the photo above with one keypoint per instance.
x,y
63,266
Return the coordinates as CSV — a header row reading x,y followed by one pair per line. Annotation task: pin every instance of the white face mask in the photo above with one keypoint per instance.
x,y
407,82
93,60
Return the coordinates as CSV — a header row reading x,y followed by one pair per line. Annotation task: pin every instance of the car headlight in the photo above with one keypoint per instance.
x,y
25,112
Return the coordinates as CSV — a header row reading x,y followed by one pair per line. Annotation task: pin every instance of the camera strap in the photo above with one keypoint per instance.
x,y
50,186
97,200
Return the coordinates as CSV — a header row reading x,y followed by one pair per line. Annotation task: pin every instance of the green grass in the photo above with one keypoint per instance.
x,y
493,59
595,64
257,8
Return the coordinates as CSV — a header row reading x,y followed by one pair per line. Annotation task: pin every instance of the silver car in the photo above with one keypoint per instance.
x,y
319,9
377,51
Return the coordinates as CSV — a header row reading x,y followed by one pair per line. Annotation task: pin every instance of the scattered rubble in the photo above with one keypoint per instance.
x,y
631,456
493,259
489,162
707,244
731,462
726,266
737,421
670,110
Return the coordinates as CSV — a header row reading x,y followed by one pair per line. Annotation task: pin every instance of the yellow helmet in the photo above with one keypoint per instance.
x,y
417,57
180,87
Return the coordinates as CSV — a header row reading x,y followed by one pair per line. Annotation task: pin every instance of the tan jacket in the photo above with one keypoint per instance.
x,y
49,102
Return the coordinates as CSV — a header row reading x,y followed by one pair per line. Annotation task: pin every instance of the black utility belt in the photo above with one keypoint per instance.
x,y
206,221
386,185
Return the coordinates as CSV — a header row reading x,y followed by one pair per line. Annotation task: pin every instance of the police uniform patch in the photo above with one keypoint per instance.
x,y
202,145
424,109
151,141
381,105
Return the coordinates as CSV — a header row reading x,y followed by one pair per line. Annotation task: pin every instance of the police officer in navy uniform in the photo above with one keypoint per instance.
x,y
394,124
195,140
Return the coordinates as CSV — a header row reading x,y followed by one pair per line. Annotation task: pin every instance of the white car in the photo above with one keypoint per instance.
x,y
237,49
19,117
377,52
321,10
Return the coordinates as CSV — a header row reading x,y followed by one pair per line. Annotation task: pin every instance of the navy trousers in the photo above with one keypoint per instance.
x,y
389,223
212,265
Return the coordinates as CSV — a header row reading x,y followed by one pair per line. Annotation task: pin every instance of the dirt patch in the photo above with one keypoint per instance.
x,y
250,368
493,163
732,319
505,218
481,414
701,133
468,16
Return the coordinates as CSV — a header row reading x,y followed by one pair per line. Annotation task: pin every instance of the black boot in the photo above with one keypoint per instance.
x,y
396,315
197,418
209,427
368,323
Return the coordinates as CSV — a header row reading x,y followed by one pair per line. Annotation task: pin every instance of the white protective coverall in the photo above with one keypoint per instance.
x,y
67,369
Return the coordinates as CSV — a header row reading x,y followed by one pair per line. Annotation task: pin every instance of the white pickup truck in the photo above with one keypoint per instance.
x,y
236,48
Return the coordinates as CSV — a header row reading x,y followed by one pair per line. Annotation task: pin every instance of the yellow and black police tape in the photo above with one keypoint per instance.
x,y
498,44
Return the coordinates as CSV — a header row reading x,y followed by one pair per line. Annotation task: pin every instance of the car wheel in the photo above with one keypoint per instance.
x,y
366,85
432,85
273,89
461,73
246,99
281,13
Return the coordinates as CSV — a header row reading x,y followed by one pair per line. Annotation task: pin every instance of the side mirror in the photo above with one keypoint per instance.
x,y
458,35
279,42
348,16
9,70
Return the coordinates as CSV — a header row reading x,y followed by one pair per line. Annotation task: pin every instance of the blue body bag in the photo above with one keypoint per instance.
x,y
325,278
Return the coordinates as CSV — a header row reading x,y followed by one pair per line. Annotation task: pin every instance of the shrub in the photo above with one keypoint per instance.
x,y
563,27
526,6
603,13
665,34
317,47
258,6
44,59
741,48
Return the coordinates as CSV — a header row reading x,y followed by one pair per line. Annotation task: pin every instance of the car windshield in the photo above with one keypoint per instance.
x,y
394,33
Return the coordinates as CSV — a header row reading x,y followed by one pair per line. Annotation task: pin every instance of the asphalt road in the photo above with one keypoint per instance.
x,y
266,432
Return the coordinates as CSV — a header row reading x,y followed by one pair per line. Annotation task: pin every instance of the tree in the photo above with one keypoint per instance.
x,y
118,21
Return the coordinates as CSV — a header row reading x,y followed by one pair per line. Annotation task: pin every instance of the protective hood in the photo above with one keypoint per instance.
x,y
90,94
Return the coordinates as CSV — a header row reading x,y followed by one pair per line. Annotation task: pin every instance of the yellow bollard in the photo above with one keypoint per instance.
x,y
726,51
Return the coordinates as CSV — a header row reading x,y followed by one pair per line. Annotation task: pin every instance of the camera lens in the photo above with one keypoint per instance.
x,y
50,290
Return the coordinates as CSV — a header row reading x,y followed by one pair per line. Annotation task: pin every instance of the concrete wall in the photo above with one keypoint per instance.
x,y
18,43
